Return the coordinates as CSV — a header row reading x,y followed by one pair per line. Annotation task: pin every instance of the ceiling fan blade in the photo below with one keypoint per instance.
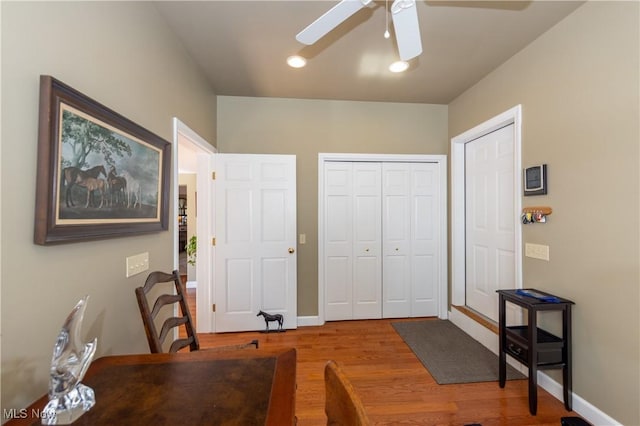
x,y
331,19
407,28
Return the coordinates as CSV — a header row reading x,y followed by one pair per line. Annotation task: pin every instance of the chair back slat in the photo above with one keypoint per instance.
x,y
180,343
169,324
161,301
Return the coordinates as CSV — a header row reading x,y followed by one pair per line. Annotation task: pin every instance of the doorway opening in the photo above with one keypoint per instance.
x,y
183,229
509,122
190,152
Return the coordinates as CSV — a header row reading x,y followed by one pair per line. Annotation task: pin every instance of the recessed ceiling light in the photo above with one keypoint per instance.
x,y
399,66
296,61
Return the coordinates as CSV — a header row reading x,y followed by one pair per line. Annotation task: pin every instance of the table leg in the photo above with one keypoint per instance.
x,y
533,390
566,377
532,331
502,357
566,370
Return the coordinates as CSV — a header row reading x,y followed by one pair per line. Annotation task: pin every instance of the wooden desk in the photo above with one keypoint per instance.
x,y
248,387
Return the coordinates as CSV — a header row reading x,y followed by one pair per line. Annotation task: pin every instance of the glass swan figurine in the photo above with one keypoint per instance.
x,y
68,398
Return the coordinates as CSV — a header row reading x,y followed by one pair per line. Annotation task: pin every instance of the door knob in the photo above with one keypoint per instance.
x,y
291,250
366,249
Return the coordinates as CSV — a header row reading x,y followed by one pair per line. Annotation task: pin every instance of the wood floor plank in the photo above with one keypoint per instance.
x,y
394,386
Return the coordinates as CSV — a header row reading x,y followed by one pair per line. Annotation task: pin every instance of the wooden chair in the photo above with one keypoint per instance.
x,y
155,339
342,406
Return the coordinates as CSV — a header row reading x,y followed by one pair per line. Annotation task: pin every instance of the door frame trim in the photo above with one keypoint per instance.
x,y
204,186
458,205
441,160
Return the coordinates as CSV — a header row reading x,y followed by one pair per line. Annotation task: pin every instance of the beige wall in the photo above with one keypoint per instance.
x,y
578,86
122,55
307,127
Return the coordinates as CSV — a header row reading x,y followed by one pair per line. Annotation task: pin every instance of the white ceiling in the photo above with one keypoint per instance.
x,y
242,46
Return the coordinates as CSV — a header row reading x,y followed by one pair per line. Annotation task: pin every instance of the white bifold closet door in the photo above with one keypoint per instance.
x,y
381,239
353,240
410,224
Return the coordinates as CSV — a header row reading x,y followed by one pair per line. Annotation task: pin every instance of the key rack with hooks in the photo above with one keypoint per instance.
x,y
536,214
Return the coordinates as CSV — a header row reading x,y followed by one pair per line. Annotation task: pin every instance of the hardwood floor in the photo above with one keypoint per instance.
x,y
392,383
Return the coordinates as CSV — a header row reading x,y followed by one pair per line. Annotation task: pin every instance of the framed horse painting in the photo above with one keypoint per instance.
x,y
99,174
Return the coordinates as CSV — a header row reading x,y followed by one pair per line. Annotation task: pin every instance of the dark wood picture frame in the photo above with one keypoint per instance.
x,y
99,174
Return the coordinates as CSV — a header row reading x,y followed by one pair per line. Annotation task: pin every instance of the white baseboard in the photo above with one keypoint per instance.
x,y
480,333
579,404
308,321
490,340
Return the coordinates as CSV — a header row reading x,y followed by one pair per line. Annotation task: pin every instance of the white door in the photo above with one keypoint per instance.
x,y
367,274
255,259
411,239
338,241
396,264
352,240
490,219
426,232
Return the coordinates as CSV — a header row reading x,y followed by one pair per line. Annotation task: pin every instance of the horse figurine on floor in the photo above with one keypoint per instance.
x,y
270,318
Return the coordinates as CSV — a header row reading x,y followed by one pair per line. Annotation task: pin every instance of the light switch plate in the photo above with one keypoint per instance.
x,y
536,251
303,238
137,264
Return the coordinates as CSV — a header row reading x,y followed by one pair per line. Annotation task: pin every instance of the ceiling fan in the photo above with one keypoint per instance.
x,y
403,13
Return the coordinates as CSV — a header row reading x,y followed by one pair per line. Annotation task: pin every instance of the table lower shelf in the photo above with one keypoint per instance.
x,y
549,348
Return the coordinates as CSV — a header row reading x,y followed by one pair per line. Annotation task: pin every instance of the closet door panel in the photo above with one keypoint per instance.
x,y
425,243
396,228
366,288
367,222
424,267
338,287
338,236
396,292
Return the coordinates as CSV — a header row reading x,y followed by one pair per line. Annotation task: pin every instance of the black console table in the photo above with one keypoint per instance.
x,y
534,347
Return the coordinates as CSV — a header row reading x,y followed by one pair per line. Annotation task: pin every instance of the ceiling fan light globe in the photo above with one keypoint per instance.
x,y
296,61
399,66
